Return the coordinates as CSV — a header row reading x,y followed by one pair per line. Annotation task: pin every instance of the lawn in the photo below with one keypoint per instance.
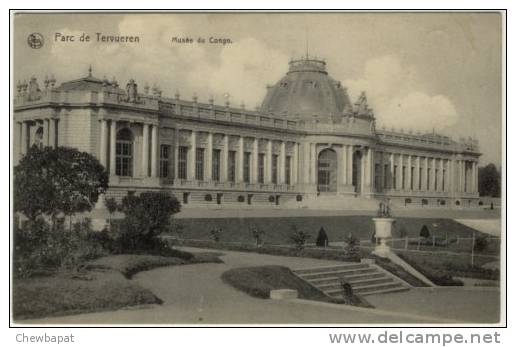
x,y
434,265
277,230
260,280
100,285
72,293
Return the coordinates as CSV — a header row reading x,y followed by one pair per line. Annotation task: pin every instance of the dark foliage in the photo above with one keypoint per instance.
x,y
489,179
322,238
424,233
62,180
146,217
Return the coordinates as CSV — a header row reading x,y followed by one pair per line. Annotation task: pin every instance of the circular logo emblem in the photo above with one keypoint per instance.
x,y
35,40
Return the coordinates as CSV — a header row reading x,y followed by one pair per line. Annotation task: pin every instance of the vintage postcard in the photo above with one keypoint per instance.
x,y
258,168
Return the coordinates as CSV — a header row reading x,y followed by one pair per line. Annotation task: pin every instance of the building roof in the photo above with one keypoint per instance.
x,y
306,92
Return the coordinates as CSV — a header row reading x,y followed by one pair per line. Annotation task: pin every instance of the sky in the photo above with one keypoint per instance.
x,y
420,71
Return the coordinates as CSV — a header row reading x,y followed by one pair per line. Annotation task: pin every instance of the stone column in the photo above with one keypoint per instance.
x,y
450,187
399,174
208,172
103,141
268,165
391,172
313,163
240,160
176,152
191,156
424,183
154,151
224,159
282,162
409,174
254,170
349,166
112,148
475,178
344,166
306,162
440,184
45,132
295,164
416,173
370,168
145,150
52,131
24,139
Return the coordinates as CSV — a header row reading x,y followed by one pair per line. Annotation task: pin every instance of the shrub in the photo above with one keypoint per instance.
x,y
299,197
299,237
146,216
322,238
457,202
352,246
257,235
208,197
480,203
424,233
271,198
42,248
215,234
241,198
481,244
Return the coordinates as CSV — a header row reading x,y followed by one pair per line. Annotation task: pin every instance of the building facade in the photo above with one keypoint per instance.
x,y
306,143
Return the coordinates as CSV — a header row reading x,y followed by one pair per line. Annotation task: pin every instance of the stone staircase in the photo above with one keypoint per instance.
x,y
364,278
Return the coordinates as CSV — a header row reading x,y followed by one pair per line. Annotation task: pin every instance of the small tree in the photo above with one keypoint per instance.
x,y
424,233
215,234
322,238
61,180
299,237
481,244
352,246
257,234
146,216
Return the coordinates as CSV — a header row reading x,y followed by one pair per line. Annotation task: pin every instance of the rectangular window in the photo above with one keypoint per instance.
x,y
403,175
164,160
444,180
274,166
215,165
182,161
231,166
124,158
288,160
377,177
385,176
394,186
199,164
247,167
261,168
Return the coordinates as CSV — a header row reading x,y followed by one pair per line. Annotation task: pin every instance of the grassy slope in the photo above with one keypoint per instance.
x,y
70,294
278,229
259,281
102,285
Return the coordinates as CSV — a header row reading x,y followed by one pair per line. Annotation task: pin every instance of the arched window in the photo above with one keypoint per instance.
x,y
124,152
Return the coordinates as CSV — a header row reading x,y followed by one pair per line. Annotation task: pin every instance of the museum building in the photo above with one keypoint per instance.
x,y
306,146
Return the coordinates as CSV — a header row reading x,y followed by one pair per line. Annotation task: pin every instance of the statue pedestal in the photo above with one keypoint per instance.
x,y
383,231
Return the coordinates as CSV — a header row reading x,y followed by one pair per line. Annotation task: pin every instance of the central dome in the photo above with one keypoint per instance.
x,y
306,93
